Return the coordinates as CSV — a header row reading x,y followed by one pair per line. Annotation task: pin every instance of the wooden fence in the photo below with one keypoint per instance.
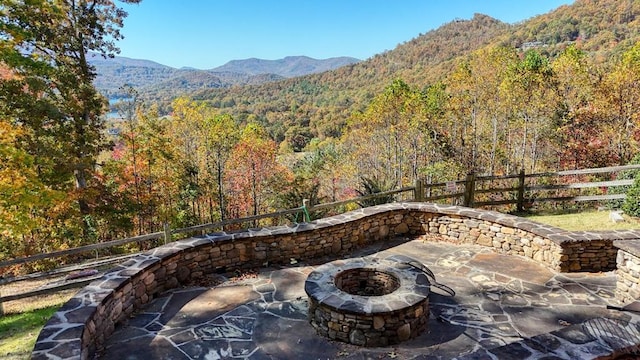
x,y
520,191
523,191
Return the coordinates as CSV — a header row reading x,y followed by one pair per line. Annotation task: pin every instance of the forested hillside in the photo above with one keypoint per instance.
x,y
602,29
323,102
558,91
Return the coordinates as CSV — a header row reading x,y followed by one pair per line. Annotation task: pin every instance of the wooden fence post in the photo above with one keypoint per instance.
x,y
167,232
418,192
469,190
521,178
427,189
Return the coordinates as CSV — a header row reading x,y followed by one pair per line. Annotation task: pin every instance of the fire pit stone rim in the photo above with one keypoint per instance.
x,y
414,286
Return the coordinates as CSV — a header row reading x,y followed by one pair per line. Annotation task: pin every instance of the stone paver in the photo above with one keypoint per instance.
x,y
504,307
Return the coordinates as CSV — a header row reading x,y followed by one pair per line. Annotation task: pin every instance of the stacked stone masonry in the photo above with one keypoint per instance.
x,y
82,325
628,271
368,302
380,330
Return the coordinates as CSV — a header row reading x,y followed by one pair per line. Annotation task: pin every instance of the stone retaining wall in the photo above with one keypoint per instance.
x,y
628,271
81,326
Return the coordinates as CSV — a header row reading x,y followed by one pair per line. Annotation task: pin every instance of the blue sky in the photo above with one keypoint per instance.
x,y
208,33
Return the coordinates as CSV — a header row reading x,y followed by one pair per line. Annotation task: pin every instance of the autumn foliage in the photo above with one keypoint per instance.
x,y
495,109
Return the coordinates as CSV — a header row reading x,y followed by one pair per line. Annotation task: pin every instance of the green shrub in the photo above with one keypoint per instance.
x,y
623,175
631,205
371,187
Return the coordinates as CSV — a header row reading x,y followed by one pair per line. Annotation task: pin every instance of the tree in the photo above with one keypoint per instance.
x,y
530,93
47,45
390,140
464,107
619,99
141,179
580,124
24,199
255,178
221,135
205,139
478,117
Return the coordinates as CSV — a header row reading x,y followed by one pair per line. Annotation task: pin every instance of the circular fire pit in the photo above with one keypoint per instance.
x,y
368,301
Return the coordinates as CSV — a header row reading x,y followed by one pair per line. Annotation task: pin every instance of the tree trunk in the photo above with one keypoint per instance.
x,y
220,174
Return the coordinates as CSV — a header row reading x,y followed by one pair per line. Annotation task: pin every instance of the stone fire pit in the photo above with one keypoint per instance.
x,y
368,301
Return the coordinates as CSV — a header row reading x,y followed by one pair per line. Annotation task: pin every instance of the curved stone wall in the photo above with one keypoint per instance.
x,y
80,327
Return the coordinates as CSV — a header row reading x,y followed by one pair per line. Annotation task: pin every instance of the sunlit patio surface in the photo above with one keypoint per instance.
x,y
505,307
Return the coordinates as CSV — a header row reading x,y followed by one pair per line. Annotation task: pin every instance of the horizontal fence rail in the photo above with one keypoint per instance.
x,y
473,191
82,249
222,224
523,192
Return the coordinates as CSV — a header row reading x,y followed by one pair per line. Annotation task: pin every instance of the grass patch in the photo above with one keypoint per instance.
x,y
18,332
23,320
588,220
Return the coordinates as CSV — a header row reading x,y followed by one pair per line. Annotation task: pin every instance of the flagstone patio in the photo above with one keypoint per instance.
x,y
505,307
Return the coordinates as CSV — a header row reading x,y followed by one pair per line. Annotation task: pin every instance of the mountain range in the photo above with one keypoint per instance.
x,y
149,77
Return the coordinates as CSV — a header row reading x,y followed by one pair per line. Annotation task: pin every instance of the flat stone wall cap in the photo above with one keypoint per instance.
x,y
69,350
625,234
332,300
127,264
527,225
164,251
258,231
80,315
304,227
332,221
50,331
280,230
70,333
559,238
200,241
71,304
126,271
112,282
45,345
630,246
219,236
144,261
380,308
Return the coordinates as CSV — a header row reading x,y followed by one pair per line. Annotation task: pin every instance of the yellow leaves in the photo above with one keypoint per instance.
x,y
22,195
190,111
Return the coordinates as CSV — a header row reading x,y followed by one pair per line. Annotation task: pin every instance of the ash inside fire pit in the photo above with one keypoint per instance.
x,y
369,301
367,282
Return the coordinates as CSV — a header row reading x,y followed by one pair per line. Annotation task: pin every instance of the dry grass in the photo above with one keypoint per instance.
x,y
38,302
588,220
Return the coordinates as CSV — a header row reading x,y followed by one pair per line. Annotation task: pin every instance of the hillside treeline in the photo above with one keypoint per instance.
x,y
498,112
